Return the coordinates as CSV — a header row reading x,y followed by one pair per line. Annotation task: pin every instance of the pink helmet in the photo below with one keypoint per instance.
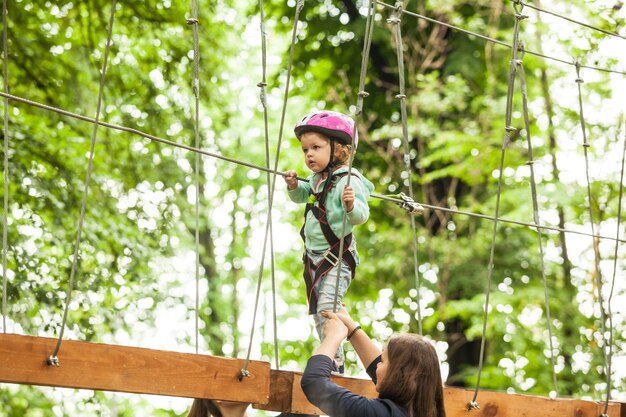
x,y
336,126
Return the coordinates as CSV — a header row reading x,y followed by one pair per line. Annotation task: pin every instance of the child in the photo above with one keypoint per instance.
x,y
326,139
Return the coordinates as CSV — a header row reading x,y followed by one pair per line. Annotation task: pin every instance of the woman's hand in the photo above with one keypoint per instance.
x,y
344,316
334,327
334,333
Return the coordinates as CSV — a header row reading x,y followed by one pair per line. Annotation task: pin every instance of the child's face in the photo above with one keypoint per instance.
x,y
316,149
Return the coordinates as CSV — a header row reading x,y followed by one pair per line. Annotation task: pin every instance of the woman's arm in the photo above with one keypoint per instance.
x,y
334,333
361,342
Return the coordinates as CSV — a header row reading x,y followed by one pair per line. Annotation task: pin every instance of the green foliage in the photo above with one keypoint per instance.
x,y
136,270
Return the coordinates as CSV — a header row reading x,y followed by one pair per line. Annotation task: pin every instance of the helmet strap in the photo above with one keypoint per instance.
x,y
331,161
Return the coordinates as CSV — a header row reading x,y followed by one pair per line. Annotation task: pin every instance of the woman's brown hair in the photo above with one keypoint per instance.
x,y
204,408
413,377
216,408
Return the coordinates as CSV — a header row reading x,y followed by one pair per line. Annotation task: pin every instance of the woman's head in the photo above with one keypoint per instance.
x,y
411,376
216,408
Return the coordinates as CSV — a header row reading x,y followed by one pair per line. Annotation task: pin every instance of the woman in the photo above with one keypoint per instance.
x,y
406,374
215,408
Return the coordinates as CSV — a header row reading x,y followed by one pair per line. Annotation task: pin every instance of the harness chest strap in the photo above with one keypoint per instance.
x,y
331,257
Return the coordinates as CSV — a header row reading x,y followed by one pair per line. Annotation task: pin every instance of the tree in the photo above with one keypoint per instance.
x,y
138,243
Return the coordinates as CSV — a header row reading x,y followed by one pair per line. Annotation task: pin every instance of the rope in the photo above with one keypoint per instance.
x,y
367,41
563,61
507,137
606,32
596,249
619,216
397,198
395,20
53,359
5,220
196,93
270,185
299,6
533,188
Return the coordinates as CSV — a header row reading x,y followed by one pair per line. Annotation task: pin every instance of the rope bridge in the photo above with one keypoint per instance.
x,y
28,359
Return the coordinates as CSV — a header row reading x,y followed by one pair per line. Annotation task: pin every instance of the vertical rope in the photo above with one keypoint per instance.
x,y
507,138
533,188
594,239
367,41
196,92
396,19
53,359
5,220
299,5
270,186
610,313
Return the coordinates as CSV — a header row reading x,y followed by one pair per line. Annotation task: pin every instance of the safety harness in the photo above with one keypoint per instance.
x,y
331,257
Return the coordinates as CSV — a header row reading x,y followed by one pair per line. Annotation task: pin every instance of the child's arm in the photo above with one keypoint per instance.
x,y
298,191
354,199
348,198
291,178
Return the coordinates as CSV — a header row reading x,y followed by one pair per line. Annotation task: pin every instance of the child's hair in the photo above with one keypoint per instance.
x,y
342,153
413,377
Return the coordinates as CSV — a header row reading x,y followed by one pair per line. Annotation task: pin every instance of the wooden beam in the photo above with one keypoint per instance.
x,y
520,405
287,396
23,360
490,403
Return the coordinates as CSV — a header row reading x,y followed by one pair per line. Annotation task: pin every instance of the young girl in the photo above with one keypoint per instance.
x,y
326,139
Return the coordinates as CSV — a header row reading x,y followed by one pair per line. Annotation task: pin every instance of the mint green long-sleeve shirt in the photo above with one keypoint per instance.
x,y
314,238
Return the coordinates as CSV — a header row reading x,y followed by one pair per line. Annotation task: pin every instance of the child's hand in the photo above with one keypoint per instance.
x,y
348,198
291,178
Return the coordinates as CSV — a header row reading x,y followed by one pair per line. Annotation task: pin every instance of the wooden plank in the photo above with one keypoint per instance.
x,y
146,371
519,405
296,401
281,386
491,403
130,369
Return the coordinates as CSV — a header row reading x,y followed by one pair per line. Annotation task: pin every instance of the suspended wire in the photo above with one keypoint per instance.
x,y
503,220
390,198
533,189
539,9
395,20
5,219
270,185
299,6
196,93
458,29
595,243
507,138
53,360
97,122
610,314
